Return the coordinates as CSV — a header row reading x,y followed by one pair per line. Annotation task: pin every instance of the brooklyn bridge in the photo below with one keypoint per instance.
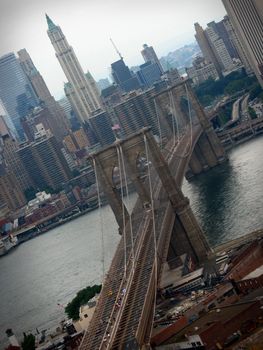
x,y
161,225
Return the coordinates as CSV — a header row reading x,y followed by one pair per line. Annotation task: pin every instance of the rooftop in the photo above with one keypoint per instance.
x,y
50,23
222,315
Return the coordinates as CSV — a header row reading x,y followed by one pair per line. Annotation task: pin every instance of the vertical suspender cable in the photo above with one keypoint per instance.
x,y
153,217
175,116
101,223
171,107
123,213
159,124
190,119
128,197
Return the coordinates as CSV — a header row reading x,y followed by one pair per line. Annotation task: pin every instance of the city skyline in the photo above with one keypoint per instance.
x,y
165,26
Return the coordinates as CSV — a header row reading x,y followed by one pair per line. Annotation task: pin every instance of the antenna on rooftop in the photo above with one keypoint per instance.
x,y
115,47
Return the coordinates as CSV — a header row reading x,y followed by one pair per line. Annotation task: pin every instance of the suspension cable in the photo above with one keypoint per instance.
x,y
128,197
101,219
174,120
191,128
159,124
154,227
123,213
190,120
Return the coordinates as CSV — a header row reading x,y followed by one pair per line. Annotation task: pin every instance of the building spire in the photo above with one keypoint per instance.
x,y
50,23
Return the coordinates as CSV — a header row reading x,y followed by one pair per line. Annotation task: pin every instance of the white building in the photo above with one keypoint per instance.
x,y
83,93
219,49
201,71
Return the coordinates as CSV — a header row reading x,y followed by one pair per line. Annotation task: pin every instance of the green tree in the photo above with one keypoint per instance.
x,y
255,91
82,297
29,342
235,86
260,96
252,113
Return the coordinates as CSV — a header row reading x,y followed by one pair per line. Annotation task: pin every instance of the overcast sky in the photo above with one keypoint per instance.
x,y
88,25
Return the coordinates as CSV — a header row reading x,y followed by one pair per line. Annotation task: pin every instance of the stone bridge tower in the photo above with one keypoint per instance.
x,y
189,236
207,151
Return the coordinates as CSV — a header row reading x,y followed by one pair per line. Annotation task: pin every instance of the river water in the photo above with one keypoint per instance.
x,y
49,270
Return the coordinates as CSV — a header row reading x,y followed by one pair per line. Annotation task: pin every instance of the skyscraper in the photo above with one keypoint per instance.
x,y
10,192
84,95
236,43
58,120
149,73
135,112
149,55
247,19
6,119
206,48
123,76
12,161
219,49
16,93
45,163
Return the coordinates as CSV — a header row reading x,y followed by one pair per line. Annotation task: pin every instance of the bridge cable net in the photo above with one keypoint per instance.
x,y
129,204
116,313
187,126
101,221
159,124
154,224
174,118
123,212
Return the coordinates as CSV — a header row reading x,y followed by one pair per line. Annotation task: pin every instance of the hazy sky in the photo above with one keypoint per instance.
x,y
88,25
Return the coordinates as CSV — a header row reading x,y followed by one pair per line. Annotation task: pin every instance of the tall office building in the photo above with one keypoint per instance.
x,y
45,163
136,112
149,55
84,95
102,126
247,19
219,49
16,92
206,47
58,120
4,130
221,31
10,192
149,73
236,43
6,119
12,161
123,76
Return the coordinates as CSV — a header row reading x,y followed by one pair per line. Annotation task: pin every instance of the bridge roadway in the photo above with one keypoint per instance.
x,y
125,308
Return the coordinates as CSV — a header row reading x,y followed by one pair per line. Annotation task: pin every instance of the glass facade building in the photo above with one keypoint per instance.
x,y
16,93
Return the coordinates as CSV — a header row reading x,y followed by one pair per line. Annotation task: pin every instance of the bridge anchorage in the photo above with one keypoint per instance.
x,y
161,225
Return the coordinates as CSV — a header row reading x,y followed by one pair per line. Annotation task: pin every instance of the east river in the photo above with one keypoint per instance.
x,y
41,275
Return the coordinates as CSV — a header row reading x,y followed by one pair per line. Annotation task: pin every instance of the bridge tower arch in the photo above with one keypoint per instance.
x,y
208,151
189,236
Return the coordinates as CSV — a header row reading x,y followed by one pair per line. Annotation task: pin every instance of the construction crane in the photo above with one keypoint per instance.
x,y
115,47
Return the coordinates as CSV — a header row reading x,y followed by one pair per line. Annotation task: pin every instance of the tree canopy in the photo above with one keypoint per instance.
x,y
229,85
82,297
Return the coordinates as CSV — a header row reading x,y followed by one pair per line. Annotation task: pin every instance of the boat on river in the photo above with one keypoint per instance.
x,y
6,243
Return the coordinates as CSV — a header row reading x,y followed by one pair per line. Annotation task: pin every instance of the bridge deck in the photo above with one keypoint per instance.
x,y
120,316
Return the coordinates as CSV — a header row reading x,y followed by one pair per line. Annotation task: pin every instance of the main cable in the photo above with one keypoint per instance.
x,y
101,223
